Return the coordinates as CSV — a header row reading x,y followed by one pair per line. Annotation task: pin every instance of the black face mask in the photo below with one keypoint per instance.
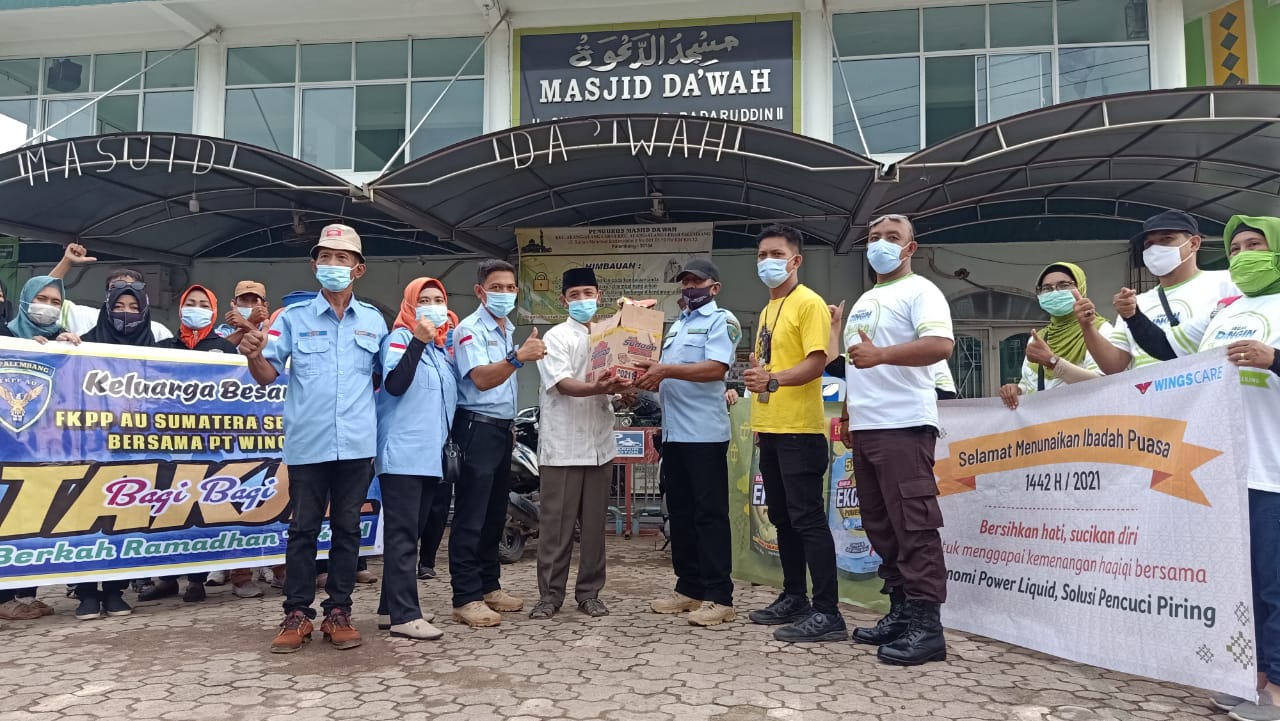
x,y
695,298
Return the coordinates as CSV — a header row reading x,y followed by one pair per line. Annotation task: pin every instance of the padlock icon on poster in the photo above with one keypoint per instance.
x,y
541,282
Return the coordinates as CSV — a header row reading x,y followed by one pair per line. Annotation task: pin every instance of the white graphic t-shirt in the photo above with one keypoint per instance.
x,y
1190,301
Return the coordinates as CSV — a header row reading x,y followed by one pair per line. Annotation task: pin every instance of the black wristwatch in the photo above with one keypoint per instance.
x,y
773,385
513,360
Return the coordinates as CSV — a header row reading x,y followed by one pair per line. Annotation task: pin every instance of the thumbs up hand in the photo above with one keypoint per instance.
x,y
1126,303
1084,309
1038,351
756,377
532,349
865,354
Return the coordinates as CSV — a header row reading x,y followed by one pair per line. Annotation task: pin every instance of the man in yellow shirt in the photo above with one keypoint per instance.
x,y
786,413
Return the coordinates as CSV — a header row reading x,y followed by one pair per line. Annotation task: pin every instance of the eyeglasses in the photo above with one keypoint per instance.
x,y
1064,285
130,284
881,219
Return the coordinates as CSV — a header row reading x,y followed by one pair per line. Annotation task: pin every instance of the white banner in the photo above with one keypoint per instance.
x,y
1107,522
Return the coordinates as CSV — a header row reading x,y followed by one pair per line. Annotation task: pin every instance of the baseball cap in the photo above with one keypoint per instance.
x,y
1167,220
700,268
246,287
339,237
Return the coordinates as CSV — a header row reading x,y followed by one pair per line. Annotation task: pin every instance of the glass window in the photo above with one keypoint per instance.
x,y
19,77
325,63
78,124
456,118
441,57
1090,72
111,70
950,96
380,125
955,28
1019,83
262,117
117,114
256,66
1101,21
178,71
887,96
878,33
67,75
168,112
327,127
17,122
385,60
1021,24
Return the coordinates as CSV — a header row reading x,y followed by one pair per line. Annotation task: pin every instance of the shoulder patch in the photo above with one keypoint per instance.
x,y
734,328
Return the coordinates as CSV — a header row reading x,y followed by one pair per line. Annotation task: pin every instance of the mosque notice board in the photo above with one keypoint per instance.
x,y
634,261
1105,522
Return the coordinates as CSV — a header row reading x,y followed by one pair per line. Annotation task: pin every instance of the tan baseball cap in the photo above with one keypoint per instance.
x,y
339,237
246,287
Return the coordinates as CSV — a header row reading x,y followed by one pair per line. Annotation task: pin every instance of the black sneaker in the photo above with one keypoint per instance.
x,y
89,609
817,627
163,588
115,605
426,573
542,610
788,608
593,607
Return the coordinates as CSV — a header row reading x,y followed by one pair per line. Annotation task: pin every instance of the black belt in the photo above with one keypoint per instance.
x,y
473,417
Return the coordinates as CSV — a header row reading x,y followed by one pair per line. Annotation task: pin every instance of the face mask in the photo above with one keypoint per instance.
x,y
333,278
884,256
196,318
1162,260
583,310
695,298
125,320
437,314
500,304
1058,303
43,314
245,312
773,271
1254,271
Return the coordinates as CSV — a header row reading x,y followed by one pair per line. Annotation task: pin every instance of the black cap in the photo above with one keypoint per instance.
x,y
1168,220
577,277
700,268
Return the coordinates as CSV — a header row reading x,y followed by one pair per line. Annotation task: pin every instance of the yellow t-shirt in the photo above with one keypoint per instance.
x,y
800,324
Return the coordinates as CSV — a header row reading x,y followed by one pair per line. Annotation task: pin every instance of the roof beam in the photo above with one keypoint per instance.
x,y
428,222
183,18
32,232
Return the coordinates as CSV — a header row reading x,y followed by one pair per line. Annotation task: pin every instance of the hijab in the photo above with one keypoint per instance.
x,y
1064,336
21,325
6,306
408,317
123,328
1261,278
191,337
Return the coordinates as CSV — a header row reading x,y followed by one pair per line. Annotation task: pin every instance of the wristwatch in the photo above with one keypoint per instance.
x,y
513,360
773,385
1053,361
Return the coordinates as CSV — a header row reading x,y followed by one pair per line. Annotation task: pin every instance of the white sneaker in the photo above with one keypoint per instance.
x,y
384,620
417,629
248,590
216,578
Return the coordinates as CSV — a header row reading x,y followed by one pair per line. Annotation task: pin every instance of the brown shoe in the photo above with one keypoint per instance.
x,y
503,602
294,633
44,608
15,610
477,615
366,577
337,629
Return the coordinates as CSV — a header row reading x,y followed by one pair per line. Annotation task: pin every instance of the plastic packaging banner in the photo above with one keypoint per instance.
x,y
633,261
1107,522
122,463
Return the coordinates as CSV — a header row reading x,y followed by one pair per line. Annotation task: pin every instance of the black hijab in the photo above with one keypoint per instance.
x,y
123,328
6,308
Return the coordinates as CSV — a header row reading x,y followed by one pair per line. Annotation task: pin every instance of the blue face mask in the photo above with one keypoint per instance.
x,y
583,310
500,304
773,271
333,278
196,318
885,256
437,314
1058,303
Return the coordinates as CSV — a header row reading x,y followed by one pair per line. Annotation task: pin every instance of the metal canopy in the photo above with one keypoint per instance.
x,y
171,198
1098,165
619,169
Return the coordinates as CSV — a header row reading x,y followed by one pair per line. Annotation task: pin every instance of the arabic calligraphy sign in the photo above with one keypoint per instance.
x,y
742,69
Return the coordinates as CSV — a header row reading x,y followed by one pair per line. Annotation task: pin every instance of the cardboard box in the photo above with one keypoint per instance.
x,y
632,334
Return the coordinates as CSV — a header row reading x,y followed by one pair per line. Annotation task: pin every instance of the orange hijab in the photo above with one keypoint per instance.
x,y
408,317
190,336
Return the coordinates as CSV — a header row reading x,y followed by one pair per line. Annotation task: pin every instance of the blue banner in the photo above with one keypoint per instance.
x,y
121,463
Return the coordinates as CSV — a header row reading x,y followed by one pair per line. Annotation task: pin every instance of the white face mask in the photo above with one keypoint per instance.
x,y
1162,260
43,314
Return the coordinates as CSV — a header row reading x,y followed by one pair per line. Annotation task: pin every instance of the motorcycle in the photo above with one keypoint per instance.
x,y
522,501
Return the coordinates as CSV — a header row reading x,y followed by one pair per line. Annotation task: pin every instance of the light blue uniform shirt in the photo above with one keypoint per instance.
x,y
329,412
478,341
412,427
696,412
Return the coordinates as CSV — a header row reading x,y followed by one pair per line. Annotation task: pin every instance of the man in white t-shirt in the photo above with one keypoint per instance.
x,y
1155,322
896,333
80,319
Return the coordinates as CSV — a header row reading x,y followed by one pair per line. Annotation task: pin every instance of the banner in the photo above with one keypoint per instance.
x,y
123,463
1107,522
635,261
745,69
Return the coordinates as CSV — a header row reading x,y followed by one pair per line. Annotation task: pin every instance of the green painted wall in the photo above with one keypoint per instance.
x,y
1266,41
1195,53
